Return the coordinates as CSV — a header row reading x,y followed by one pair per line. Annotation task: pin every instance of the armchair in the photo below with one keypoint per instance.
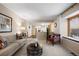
x,y
54,38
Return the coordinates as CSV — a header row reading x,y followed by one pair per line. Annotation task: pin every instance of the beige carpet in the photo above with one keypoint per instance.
x,y
48,49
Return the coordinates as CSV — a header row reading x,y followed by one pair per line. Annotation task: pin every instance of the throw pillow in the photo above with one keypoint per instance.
x,y
1,44
4,42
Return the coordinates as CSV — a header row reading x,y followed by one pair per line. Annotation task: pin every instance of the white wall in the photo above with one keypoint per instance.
x,y
63,21
57,29
62,26
16,20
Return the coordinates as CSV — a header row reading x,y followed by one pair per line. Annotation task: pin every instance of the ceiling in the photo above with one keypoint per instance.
x,y
38,11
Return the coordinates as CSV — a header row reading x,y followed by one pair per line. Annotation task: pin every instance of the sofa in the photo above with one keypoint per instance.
x,y
13,45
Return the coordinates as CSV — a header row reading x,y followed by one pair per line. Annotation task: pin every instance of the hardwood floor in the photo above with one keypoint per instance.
x,y
48,49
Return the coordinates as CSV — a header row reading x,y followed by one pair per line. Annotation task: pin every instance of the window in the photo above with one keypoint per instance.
x,y
73,26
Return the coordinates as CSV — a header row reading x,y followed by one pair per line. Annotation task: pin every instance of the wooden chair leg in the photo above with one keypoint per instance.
x,y
59,41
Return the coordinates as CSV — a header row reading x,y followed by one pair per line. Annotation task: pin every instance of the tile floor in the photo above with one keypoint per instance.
x,y
48,49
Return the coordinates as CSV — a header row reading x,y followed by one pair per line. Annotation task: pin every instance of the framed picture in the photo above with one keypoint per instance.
x,y
5,23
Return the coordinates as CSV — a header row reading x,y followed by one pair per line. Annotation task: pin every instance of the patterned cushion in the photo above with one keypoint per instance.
x,y
3,42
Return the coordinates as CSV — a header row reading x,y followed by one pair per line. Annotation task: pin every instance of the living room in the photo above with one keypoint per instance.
x,y
24,23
